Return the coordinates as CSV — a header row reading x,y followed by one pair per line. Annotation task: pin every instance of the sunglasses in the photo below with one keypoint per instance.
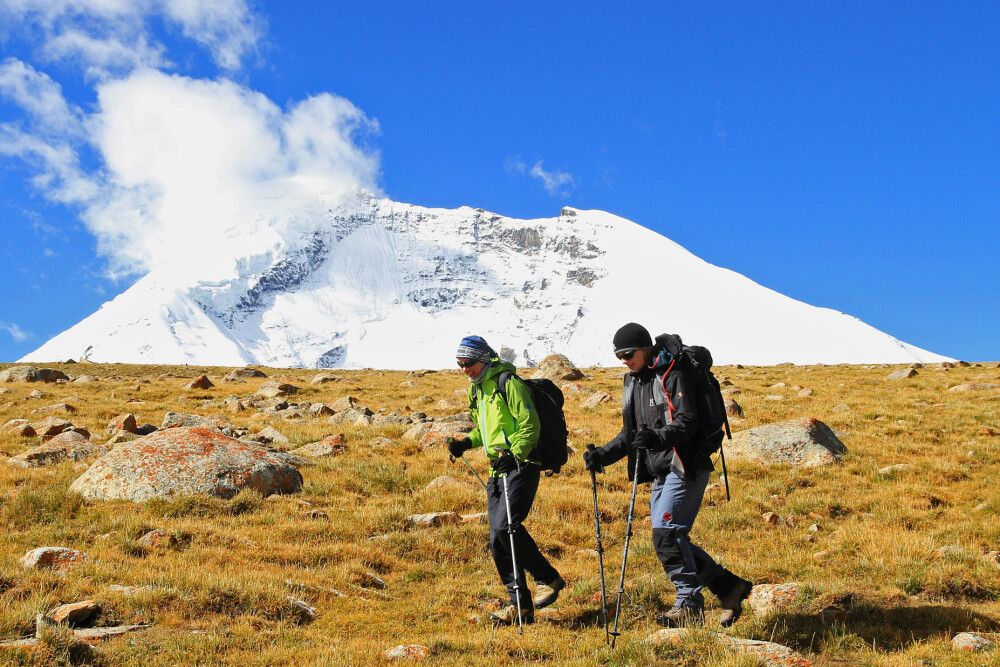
x,y
468,363
625,355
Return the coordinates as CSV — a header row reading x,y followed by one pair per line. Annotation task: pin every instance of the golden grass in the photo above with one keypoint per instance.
x,y
219,597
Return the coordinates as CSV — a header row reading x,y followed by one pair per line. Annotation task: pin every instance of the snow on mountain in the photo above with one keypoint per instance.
x,y
380,284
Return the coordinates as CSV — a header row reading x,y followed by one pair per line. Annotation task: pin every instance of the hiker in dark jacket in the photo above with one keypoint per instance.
x,y
508,432
660,428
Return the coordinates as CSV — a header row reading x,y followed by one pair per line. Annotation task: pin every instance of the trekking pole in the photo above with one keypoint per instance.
x,y
513,556
628,537
600,554
722,455
472,470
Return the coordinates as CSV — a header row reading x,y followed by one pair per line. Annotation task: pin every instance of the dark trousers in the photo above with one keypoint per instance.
x,y
522,484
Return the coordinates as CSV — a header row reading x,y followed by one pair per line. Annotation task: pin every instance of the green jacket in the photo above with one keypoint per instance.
x,y
512,424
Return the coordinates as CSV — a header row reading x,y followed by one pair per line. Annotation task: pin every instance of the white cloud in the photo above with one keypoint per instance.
x,y
17,333
196,165
111,36
58,172
39,96
554,182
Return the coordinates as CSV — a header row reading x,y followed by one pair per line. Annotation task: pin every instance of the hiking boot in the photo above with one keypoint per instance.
x,y
681,617
547,593
732,602
508,616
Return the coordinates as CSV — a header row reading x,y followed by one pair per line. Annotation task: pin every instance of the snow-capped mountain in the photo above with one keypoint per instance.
x,y
380,284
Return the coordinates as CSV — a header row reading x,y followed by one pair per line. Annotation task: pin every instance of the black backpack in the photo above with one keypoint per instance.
x,y
696,363
552,449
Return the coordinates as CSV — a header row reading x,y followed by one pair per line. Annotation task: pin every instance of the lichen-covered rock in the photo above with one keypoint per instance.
x,y
185,461
274,389
408,652
557,367
53,558
434,519
902,374
55,409
766,598
596,399
241,373
181,420
68,446
803,442
31,374
51,426
331,445
971,642
157,539
19,427
769,653
269,436
125,423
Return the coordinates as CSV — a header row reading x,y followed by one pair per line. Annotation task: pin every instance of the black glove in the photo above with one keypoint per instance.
x,y
505,464
458,446
646,439
593,459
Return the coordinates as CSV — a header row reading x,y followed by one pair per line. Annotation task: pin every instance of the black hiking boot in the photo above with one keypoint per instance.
x,y
732,602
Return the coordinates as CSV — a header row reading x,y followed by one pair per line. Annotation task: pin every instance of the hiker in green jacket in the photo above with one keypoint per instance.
x,y
508,432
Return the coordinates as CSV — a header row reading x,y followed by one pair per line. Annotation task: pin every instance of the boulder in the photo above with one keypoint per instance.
x,y
242,373
233,404
51,426
901,374
350,416
596,399
53,558
31,374
971,642
324,377
331,445
344,403
75,614
320,410
767,598
800,442
270,436
200,382
393,418
557,367
125,423
19,427
273,389
70,445
185,461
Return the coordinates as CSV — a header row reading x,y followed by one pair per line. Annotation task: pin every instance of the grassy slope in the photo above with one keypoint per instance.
x,y
220,597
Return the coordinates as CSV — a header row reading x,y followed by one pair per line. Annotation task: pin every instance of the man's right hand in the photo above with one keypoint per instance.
x,y
458,446
593,459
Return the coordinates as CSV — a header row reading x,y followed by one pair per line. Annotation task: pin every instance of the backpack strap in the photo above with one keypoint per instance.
x,y
502,384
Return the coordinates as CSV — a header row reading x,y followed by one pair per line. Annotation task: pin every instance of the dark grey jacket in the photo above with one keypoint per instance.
x,y
673,418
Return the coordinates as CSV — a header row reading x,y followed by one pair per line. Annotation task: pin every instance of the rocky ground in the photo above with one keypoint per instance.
x,y
176,515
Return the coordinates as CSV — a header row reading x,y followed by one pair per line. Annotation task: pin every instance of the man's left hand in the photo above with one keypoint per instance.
x,y
505,464
646,439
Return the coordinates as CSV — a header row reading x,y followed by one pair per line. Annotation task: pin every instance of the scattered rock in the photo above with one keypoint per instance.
x,y
970,641
270,436
181,420
805,393
37,395
70,445
124,422
233,404
75,614
273,389
841,407
157,539
596,399
557,367
31,374
183,461
804,442
84,379
320,410
344,403
331,445
51,426
769,653
242,373
18,427
53,558
324,377
770,518
953,552
351,416
734,409
201,382
408,652
57,408
894,469
381,442
902,374
433,519
478,517
766,598
774,397
393,418
446,482
974,386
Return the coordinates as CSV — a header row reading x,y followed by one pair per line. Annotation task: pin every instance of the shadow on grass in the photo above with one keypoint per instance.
x,y
887,628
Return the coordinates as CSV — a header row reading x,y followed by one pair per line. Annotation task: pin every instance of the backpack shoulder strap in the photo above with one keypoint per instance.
x,y
502,383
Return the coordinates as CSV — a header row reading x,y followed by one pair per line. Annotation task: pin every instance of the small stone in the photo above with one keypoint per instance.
x,y
902,374
446,482
952,552
233,404
75,614
734,409
774,397
841,407
596,399
770,518
300,610
589,553
273,389
157,539
408,652
53,558
320,410
478,517
324,378
894,469
318,515
58,408
270,436
805,393
971,642
433,519
124,422
766,598
814,528
344,402
18,427
331,445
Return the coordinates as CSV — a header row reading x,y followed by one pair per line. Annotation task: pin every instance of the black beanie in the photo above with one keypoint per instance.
x,y
630,337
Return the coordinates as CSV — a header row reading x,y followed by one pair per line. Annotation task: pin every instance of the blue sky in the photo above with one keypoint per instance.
x,y
845,154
